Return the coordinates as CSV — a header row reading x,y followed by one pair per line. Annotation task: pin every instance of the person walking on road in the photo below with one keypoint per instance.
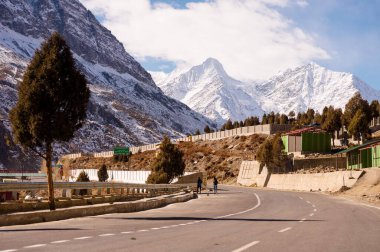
x,y
199,185
215,185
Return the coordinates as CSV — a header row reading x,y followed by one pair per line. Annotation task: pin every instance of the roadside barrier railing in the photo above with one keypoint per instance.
x,y
72,188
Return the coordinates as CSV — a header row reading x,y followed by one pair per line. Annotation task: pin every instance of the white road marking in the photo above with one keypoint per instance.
x,y
165,227
103,235
300,198
311,214
57,242
315,210
308,202
172,226
284,230
83,238
127,232
313,205
35,246
182,224
155,228
142,230
246,246
302,220
245,211
8,250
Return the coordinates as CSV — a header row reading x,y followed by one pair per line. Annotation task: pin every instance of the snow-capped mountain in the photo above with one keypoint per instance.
x,y
309,86
209,90
126,107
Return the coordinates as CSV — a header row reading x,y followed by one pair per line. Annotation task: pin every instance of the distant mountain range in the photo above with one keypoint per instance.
x,y
126,107
209,90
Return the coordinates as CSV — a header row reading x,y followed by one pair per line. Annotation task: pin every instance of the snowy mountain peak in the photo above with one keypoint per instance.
x,y
310,86
209,90
213,65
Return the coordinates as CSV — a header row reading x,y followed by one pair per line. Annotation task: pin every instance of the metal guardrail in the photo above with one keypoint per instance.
x,y
32,186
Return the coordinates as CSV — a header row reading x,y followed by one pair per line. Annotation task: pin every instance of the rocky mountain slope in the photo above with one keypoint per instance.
x,y
126,107
209,90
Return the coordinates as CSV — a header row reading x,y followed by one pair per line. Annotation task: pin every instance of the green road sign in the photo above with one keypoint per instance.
x,y
121,150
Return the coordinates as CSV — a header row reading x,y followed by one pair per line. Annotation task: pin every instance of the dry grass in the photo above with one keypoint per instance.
x,y
220,158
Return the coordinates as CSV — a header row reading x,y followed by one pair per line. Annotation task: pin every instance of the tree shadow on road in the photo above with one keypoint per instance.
x,y
39,229
208,219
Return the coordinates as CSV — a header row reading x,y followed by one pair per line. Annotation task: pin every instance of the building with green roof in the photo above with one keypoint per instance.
x,y
363,156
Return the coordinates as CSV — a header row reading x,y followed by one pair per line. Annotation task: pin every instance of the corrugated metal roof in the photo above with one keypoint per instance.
x,y
371,142
304,130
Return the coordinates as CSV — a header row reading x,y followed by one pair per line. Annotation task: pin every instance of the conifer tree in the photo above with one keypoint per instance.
x,y
168,165
332,121
236,125
52,102
358,125
83,177
375,108
271,153
264,120
207,129
228,125
355,104
102,173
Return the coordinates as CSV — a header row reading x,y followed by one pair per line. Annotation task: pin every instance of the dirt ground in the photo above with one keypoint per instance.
x,y
366,189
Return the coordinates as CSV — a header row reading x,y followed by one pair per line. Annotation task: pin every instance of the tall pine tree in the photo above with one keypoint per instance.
x,y
52,102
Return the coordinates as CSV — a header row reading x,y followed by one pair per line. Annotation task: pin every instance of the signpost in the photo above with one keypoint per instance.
x,y
121,151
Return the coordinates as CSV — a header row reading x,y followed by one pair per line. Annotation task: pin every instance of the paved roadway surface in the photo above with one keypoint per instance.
x,y
237,219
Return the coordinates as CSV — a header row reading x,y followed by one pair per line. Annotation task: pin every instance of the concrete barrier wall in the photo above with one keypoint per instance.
x,y
330,181
104,154
135,177
72,156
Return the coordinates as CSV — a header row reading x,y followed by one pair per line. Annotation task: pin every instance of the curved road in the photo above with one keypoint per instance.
x,y
237,219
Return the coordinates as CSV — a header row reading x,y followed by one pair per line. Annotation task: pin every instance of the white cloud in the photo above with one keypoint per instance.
x,y
302,3
250,37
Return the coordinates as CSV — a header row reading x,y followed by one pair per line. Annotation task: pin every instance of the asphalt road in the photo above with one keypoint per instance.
x,y
237,219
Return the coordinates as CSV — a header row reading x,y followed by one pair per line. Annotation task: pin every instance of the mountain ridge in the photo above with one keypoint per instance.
x,y
126,107
295,89
209,90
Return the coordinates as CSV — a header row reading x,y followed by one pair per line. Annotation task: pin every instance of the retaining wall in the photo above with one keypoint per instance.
x,y
337,162
330,181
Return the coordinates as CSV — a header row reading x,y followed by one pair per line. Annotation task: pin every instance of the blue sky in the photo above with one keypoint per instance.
x,y
253,39
349,30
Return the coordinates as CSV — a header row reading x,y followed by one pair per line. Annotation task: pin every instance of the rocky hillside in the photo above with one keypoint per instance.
x,y
221,158
126,107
